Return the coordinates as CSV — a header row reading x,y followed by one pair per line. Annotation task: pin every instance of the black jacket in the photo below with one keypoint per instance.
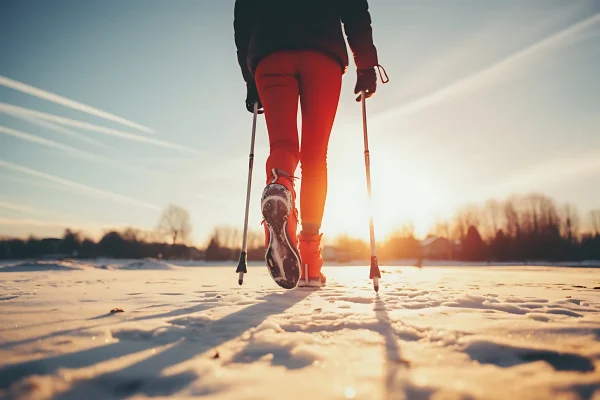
x,y
264,26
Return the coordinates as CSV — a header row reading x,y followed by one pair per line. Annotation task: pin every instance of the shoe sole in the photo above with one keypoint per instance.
x,y
283,259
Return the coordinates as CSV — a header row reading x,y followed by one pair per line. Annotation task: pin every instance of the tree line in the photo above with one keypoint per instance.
x,y
519,228
166,240
525,228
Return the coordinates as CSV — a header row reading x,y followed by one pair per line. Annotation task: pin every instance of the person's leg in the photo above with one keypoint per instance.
x,y
278,89
277,83
320,85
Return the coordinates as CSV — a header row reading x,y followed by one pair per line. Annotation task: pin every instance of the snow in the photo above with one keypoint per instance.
x,y
68,265
190,331
44,265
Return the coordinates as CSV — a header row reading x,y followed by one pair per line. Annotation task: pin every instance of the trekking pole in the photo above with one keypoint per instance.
x,y
374,274
241,268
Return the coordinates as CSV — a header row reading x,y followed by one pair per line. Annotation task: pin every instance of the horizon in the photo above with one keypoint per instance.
x,y
489,220
111,112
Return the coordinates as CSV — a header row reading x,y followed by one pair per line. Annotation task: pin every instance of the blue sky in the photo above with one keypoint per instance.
x,y
486,99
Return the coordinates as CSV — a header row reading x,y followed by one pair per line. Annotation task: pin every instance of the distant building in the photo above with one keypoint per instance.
x,y
438,248
193,253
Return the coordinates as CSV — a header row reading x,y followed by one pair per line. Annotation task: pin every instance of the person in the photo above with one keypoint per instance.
x,y
289,50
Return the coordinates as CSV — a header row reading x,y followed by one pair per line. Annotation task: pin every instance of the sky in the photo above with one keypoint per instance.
x,y
111,110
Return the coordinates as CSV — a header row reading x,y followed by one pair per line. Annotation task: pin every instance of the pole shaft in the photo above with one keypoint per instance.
x,y
374,272
368,172
250,168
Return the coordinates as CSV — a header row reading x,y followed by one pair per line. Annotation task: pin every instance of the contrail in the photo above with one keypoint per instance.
x,y
40,140
28,222
11,109
86,226
86,154
51,143
480,77
42,94
19,207
28,209
32,181
73,221
57,128
74,185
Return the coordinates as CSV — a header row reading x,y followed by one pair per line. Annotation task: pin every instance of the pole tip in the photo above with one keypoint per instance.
x,y
376,284
240,281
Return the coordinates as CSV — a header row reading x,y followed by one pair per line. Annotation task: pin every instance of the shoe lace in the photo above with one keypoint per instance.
x,y
279,172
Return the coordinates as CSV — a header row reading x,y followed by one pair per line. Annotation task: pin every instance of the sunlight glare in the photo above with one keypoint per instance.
x,y
350,393
407,189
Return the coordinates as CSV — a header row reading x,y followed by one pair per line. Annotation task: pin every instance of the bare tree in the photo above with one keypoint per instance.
x,y
407,230
236,238
225,236
175,224
134,235
466,217
511,217
154,236
492,213
441,229
595,221
537,214
256,239
570,219
532,218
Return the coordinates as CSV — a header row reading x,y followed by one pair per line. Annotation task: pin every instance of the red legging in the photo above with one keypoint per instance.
x,y
316,78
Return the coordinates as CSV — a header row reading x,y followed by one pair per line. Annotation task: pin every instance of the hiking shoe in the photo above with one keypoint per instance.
x,y
278,205
312,261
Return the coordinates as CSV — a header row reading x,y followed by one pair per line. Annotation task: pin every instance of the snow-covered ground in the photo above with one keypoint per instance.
x,y
431,333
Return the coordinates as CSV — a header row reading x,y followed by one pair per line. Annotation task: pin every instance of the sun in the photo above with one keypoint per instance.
x,y
404,191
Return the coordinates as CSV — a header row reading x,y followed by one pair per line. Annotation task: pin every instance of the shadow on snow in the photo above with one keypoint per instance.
x,y
144,376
